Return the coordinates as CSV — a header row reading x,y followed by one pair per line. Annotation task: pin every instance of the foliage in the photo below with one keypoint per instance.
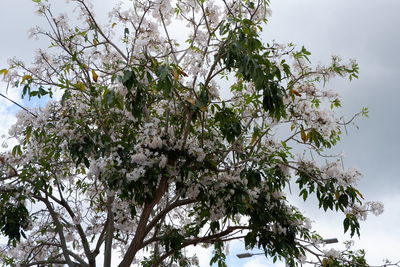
x,y
149,150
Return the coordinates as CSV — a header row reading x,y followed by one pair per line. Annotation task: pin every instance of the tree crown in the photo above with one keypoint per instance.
x,y
155,144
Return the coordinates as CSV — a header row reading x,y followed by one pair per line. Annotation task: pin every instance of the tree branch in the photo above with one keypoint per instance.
x,y
140,234
59,229
109,233
166,210
15,103
206,239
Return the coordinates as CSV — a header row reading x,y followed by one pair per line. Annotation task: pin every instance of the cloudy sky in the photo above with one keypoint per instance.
x,y
365,30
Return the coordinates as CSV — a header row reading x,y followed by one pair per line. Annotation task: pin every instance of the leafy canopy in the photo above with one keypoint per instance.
x,y
151,145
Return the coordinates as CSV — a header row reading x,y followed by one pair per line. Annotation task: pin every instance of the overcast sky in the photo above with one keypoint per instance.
x,y
365,30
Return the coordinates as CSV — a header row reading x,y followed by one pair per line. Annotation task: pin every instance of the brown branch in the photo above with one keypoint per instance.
x,y
101,32
59,229
109,233
135,244
100,240
160,215
169,39
206,239
81,232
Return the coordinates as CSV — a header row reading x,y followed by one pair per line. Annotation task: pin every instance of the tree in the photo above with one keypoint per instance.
x,y
156,144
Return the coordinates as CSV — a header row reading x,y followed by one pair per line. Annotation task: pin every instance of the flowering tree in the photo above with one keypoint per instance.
x,y
159,141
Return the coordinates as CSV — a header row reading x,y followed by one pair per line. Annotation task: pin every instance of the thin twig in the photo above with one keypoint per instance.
x,y
18,105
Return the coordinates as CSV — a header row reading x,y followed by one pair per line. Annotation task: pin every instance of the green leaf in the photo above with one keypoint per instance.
x,y
203,99
164,83
128,79
229,124
13,220
16,151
